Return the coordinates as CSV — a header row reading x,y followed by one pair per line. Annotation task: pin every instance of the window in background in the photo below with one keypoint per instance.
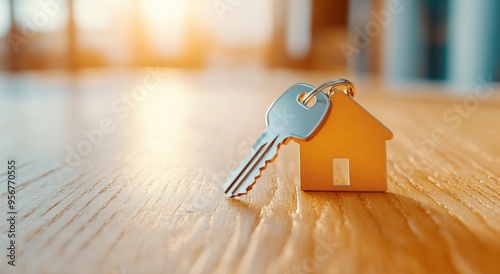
x,y
4,18
4,30
236,33
41,16
90,15
42,26
104,29
307,34
166,25
298,31
474,42
453,41
248,24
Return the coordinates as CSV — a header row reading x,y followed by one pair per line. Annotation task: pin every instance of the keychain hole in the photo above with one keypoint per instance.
x,y
309,104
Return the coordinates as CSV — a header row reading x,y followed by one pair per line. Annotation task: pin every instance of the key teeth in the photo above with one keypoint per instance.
x,y
259,174
239,194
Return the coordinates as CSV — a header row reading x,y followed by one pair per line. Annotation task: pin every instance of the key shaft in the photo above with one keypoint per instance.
x,y
286,118
251,168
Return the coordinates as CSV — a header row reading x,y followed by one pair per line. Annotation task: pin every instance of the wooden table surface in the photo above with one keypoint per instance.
x,y
145,196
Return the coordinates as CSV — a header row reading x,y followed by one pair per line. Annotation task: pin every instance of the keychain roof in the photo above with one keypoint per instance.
x,y
348,152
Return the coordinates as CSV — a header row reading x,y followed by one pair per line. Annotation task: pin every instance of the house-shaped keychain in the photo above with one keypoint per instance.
x,y
348,153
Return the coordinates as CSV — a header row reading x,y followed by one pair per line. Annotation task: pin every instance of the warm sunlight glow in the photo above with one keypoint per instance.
x,y
154,118
166,23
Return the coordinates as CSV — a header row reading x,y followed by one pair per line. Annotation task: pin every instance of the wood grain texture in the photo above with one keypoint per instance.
x,y
148,199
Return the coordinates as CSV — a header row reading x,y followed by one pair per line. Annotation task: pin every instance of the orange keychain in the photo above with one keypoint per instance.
x,y
342,146
348,153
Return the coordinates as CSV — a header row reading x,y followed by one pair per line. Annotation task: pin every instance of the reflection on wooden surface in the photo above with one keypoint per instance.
x,y
144,195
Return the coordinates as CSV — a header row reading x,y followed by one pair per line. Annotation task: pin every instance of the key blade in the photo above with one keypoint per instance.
x,y
234,181
252,173
245,176
286,118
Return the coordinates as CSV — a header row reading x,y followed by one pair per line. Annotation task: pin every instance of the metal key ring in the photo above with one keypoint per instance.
x,y
350,90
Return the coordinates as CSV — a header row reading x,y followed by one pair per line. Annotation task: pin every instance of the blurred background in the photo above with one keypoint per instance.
x,y
399,40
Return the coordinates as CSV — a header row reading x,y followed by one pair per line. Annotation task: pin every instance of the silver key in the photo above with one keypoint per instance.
x,y
286,118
